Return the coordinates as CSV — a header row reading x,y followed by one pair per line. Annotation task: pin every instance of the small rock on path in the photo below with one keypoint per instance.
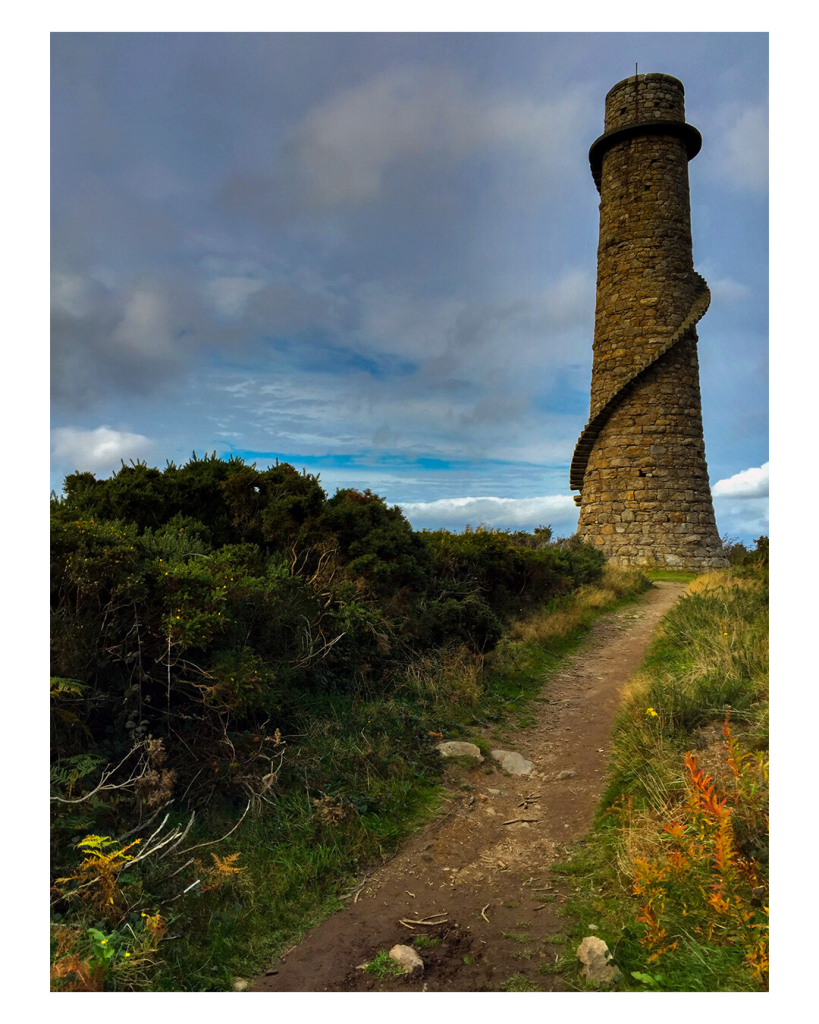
x,y
513,762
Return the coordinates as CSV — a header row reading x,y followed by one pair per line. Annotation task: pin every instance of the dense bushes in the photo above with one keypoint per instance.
x,y
229,587
207,604
740,558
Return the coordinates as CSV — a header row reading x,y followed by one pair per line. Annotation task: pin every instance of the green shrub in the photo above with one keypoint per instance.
x,y
226,638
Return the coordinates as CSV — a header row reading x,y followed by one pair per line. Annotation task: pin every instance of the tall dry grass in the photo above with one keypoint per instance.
x,y
547,626
445,679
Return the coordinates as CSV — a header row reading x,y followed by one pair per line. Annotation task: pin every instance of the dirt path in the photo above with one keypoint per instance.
x,y
489,876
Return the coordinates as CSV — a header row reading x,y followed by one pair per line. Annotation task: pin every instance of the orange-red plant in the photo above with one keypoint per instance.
x,y
700,883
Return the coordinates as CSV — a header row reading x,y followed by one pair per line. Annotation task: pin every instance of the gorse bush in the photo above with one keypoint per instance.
x,y
207,619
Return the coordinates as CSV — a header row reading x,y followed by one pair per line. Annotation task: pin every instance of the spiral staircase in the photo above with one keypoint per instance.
x,y
593,428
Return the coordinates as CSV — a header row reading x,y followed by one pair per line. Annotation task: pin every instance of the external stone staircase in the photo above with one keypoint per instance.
x,y
591,431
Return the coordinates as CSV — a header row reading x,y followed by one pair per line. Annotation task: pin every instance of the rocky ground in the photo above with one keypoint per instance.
x,y
476,878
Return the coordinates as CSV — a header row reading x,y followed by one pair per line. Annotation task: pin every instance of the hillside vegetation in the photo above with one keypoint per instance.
x,y
674,875
247,680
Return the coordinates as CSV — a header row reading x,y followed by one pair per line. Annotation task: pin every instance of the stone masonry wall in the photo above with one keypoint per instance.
x,y
645,497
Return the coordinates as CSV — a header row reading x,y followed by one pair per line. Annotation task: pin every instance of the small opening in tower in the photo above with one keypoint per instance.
x,y
641,472
623,110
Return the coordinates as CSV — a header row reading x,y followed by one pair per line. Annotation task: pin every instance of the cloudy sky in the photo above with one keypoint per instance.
x,y
373,256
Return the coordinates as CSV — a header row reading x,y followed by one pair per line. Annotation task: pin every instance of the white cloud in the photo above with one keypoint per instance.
x,y
723,289
229,295
145,327
728,290
394,320
503,336
742,154
742,519
497,512
747,143
569,300
750,483
97,451
70,295
342,149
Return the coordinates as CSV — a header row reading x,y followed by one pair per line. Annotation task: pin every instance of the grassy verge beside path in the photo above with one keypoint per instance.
x,y
357,777
674,875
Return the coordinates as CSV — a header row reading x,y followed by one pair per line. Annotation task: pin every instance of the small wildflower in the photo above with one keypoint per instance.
x,y
651,713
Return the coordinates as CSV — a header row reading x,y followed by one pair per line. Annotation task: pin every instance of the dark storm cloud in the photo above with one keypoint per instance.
x,y
126,340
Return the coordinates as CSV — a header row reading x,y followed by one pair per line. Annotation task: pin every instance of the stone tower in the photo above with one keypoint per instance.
x,y
640,462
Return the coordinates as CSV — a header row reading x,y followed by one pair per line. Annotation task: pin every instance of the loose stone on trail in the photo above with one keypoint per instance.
x,y
456,749
407,958
594,954
512,762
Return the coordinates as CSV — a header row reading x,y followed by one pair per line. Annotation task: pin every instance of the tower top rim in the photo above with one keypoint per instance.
x,y
681,129
651,76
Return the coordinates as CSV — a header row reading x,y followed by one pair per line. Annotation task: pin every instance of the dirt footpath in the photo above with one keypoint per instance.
x,y
483,873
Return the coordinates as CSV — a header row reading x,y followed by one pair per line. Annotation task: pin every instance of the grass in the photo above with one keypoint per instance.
x,y
359,777
383,966
518,983
426,941
558,965
711,652
670,575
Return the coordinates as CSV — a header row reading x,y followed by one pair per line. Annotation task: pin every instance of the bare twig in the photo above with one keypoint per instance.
x,y
102,786
185,865
512,821
144,824
192,781
169,673
176,836
212,841
181,838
